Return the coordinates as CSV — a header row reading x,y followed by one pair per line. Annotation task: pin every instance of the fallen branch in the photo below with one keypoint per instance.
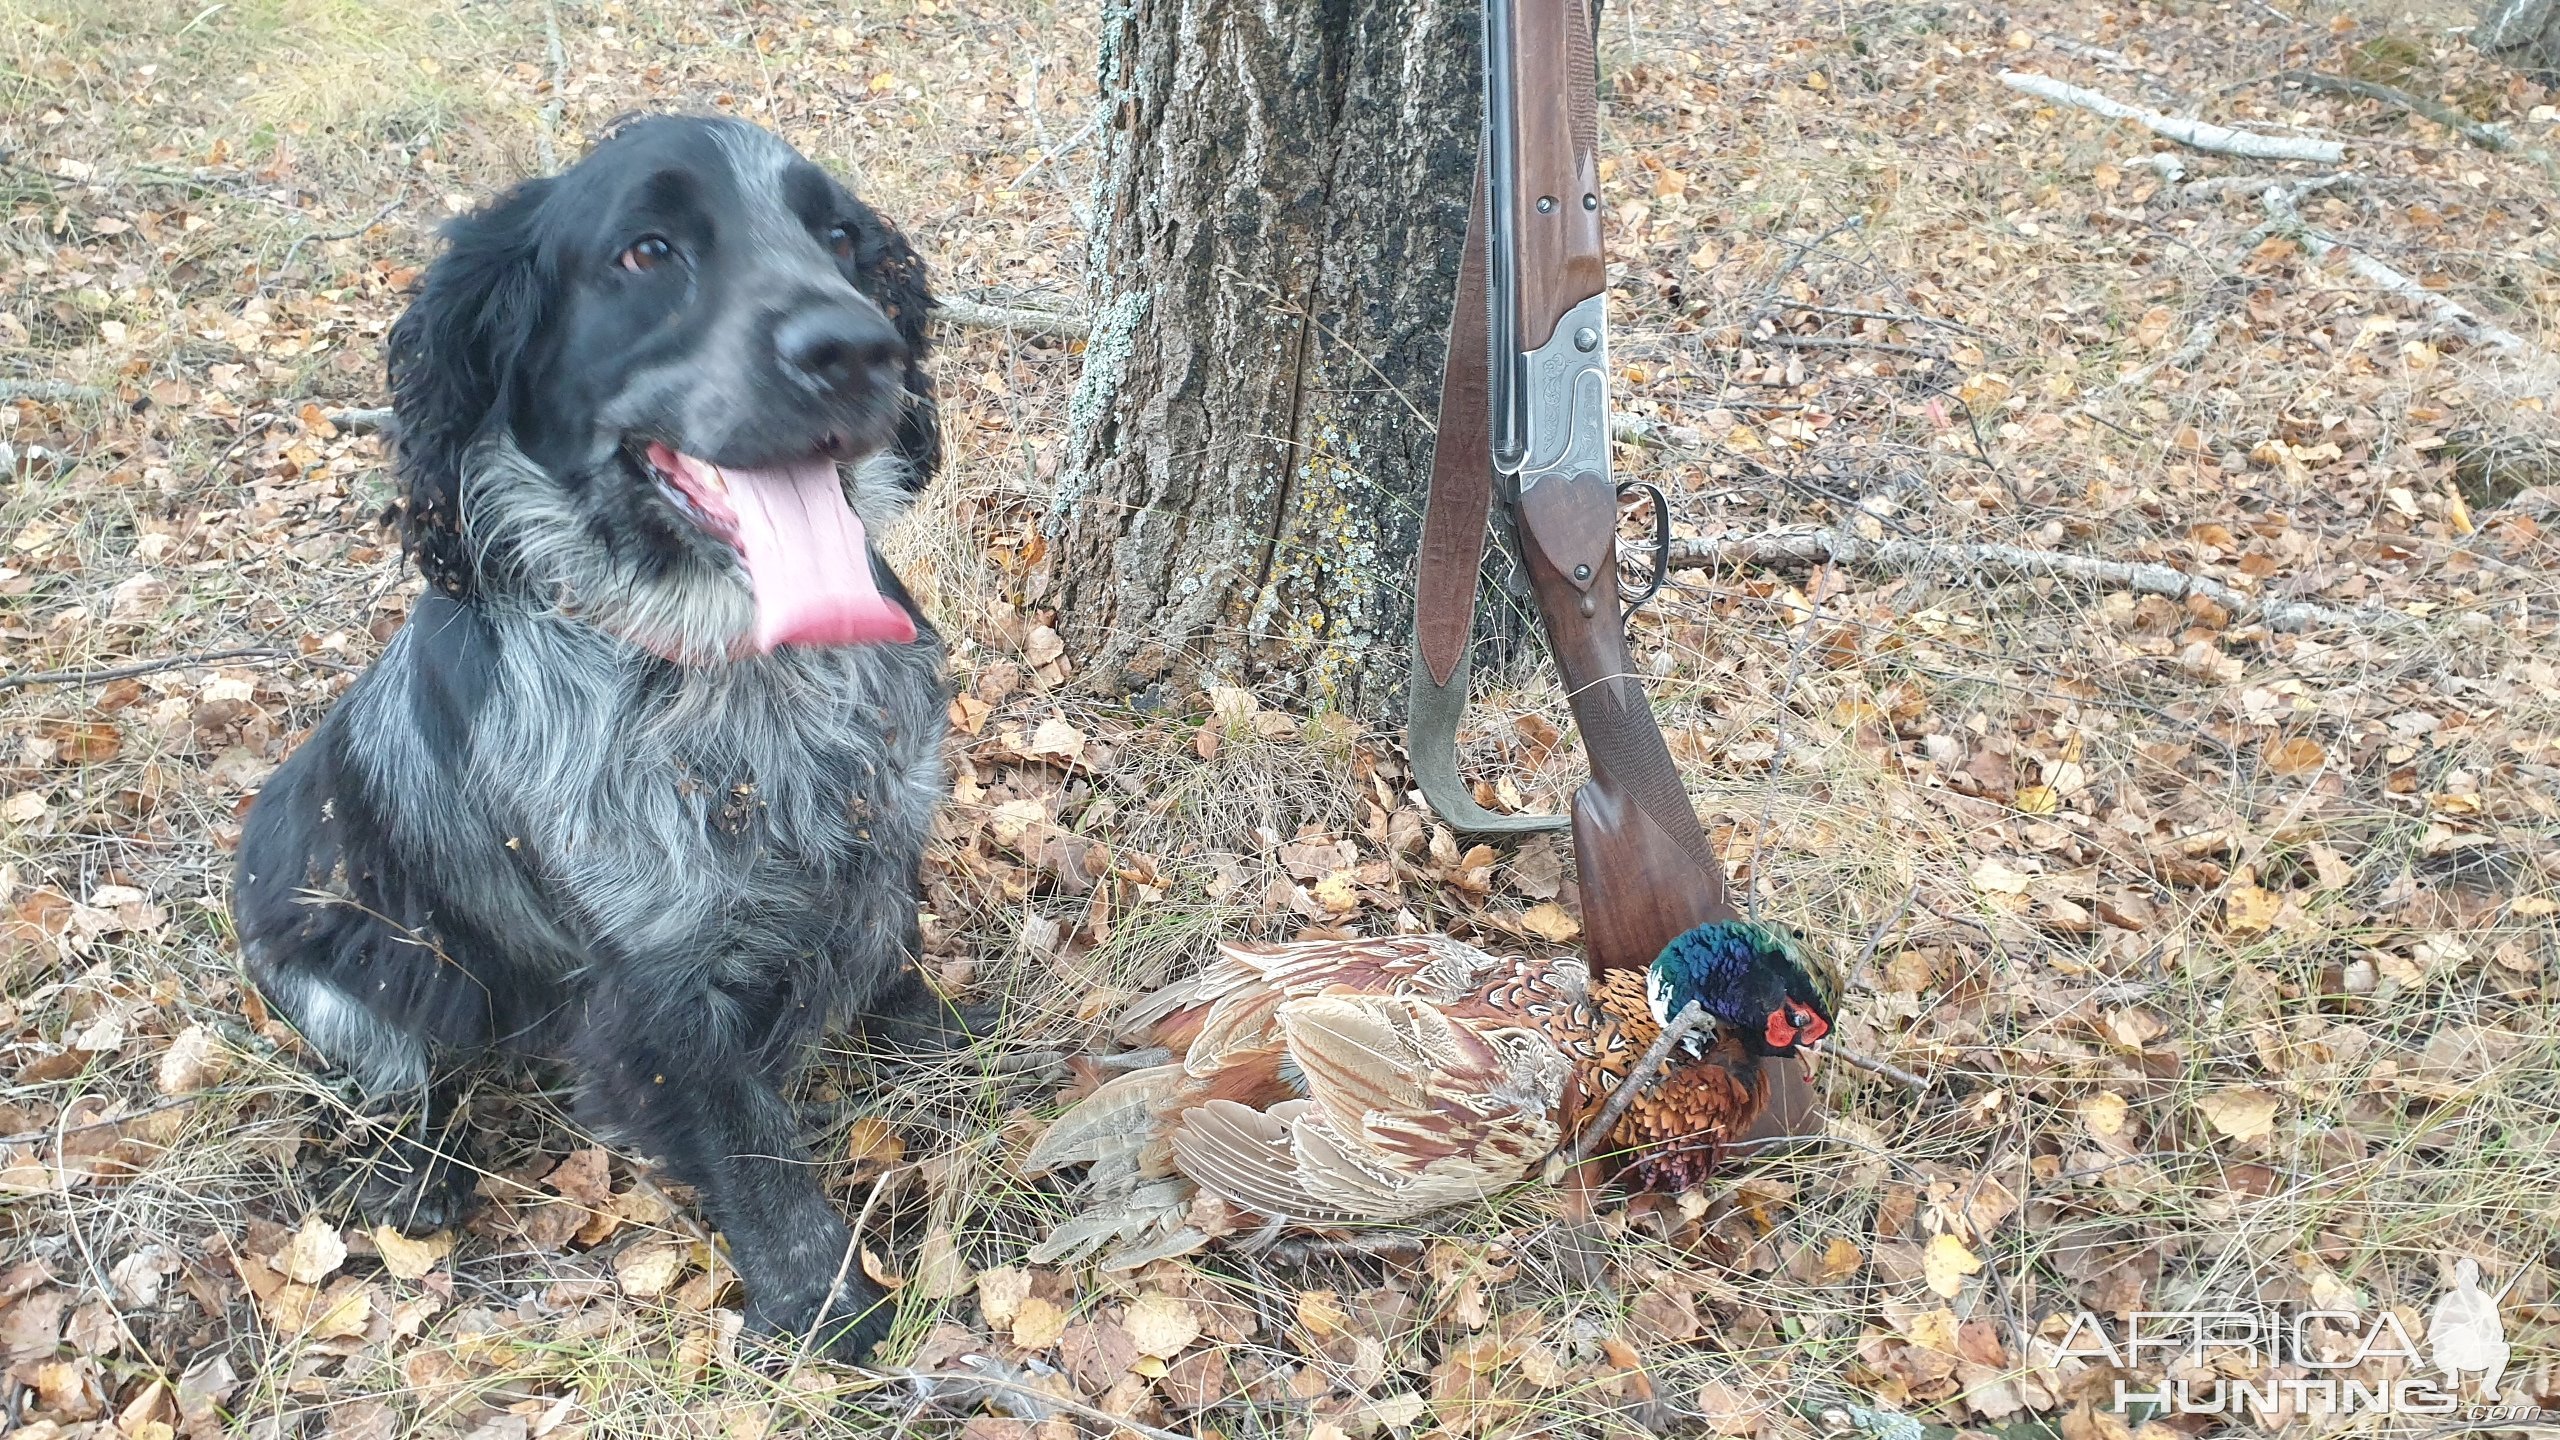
x,y
380,421
1874,1066
1831,547
172,662
2487,137
290,251
1692,1016
2192,349
558,54
48,390
1850,342
2444,312
2194,134
1637,430
1062,323
1897,317
2255,185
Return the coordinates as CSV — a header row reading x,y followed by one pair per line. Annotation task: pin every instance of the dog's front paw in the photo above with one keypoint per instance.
x,y
937,1027
842,1327
416,1188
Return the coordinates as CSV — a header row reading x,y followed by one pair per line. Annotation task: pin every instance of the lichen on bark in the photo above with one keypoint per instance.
x,y
1280,204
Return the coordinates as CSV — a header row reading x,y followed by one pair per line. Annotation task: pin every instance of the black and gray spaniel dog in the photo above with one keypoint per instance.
x,y
643,783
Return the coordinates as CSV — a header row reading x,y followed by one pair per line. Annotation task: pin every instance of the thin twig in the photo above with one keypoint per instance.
x,y
1884,927
1897,556
1804,254
1897,317
29,1137
1692,1016
1297,1250
173,662
2254,185
1056,151
268,278
1874,1066
1638,430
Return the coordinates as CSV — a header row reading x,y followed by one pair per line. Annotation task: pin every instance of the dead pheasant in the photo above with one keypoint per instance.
x,y
1337,1082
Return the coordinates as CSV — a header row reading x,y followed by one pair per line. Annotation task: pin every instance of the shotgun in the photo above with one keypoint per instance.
x,y
1524,413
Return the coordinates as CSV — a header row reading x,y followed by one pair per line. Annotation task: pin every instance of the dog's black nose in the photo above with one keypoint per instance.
x,y
834,346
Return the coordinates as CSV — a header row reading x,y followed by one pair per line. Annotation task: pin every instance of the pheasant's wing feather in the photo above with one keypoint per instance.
x,y
1429,967
1249,1158
1410,1093
1111,1123
1148,1221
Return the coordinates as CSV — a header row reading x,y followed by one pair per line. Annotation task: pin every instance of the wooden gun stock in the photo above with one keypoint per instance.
x,y
1646,868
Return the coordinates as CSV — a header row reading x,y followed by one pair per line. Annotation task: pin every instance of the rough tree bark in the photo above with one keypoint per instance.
x,y
2525,32
1283,194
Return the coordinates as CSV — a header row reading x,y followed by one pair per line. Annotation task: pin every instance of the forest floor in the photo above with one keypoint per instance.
x,y
2224,952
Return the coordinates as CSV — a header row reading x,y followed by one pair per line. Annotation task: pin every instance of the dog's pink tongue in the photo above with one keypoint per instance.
x,y
808,559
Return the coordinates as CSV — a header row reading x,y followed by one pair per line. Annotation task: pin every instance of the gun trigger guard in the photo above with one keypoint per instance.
x,y
1661,543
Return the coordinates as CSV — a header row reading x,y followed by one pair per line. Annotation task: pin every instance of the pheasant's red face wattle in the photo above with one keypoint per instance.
x,y
1793,1024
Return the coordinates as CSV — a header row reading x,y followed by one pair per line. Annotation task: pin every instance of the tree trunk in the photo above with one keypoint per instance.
x,y
2524,32
1283,195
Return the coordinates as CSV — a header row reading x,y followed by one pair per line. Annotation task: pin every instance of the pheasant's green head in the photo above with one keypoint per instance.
x,y
1759,980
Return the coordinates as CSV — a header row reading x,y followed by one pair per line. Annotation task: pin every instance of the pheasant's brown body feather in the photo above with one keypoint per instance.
x,y
1332,1082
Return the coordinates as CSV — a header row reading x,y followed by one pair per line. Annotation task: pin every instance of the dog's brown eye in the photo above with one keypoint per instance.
x,y
645,253
840,240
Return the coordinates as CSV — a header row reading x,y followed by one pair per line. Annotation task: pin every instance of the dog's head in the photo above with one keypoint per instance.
x,y
670,389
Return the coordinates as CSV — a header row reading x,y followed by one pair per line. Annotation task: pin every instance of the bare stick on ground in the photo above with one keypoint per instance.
x,y
2445,313
1692,1016
2195,134
172,662
365,421
2487,137
48,390
1065,324
1832,547
544,148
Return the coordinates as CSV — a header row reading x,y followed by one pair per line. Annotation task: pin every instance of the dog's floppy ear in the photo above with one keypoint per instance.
x,y
452,356
891,273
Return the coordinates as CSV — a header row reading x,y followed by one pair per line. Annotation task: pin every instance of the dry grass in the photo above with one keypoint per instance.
x,y
2154,858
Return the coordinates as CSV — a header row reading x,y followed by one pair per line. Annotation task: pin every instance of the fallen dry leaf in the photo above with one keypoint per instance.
x,y
1001,1292
1549,922
2242,1113
1161,1325
872,1146
1037,1323
940,1273
313,1254
1946,1263
2248,910
646,1269
1056,739
195,1061
409,1259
